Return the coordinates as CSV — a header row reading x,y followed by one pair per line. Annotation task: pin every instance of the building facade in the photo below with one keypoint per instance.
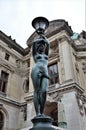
x,y
66,98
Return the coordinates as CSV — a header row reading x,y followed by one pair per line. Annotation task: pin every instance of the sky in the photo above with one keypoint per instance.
x,y
16,16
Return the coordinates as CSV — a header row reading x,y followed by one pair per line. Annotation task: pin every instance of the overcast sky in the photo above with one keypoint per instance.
x,y
16,15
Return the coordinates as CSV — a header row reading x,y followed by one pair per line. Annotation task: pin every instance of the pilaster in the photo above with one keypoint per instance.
x,y
66,59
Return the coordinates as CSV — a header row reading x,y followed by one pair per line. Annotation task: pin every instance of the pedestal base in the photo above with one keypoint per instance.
x,y
42,123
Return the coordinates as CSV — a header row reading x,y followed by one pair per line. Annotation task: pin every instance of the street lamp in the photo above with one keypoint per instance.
x,y
40,24
39,75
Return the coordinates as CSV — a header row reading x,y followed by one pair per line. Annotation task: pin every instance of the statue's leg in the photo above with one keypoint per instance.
x,y
43,94
36,85
43,100
36,102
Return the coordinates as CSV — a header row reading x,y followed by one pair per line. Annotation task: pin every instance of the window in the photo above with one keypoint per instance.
x,y
7,56
53,73
3,81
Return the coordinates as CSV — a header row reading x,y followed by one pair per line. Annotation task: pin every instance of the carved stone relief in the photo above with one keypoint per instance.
x,y
55,97
84,66
81,103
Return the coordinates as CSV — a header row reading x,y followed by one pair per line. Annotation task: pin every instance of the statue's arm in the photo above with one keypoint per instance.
x,y
35,45
47,48
39,41
33,49
47,43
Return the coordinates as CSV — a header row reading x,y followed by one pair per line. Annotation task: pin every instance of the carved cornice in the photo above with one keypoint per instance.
x,y
53,59
78,47
4,99
29,97
79,56
70,86
58,90
66,88
8,100
63,38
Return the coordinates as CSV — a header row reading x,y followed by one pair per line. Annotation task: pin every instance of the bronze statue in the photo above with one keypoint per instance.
x,y
39,74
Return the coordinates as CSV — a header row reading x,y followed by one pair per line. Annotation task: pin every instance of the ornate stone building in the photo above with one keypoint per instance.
x,y
66,99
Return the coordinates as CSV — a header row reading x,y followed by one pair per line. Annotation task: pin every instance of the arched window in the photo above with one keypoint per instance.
x,y
1,120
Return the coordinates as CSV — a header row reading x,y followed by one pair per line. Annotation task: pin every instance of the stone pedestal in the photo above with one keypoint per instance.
x,y
42,123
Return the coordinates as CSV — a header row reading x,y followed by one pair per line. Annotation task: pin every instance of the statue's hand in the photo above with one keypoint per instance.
x,y
44,39
40,74
47,76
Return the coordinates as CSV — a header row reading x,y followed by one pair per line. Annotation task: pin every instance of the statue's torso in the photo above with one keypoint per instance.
x,y
41,62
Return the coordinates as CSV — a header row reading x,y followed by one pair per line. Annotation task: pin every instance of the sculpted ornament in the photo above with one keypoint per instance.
x,y
81,103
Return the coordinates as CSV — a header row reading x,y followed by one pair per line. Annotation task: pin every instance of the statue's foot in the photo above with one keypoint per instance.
x,y
40,115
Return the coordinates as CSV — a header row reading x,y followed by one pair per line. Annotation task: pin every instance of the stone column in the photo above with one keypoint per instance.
x,y
73,117
67,66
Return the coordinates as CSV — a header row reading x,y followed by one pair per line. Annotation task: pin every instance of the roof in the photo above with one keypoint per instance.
x,y
12,44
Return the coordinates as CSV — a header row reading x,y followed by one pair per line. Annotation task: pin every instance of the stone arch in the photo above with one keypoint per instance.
x,y
5,117
1,120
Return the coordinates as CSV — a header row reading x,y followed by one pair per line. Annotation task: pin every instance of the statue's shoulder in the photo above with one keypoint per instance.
x,y
37,40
